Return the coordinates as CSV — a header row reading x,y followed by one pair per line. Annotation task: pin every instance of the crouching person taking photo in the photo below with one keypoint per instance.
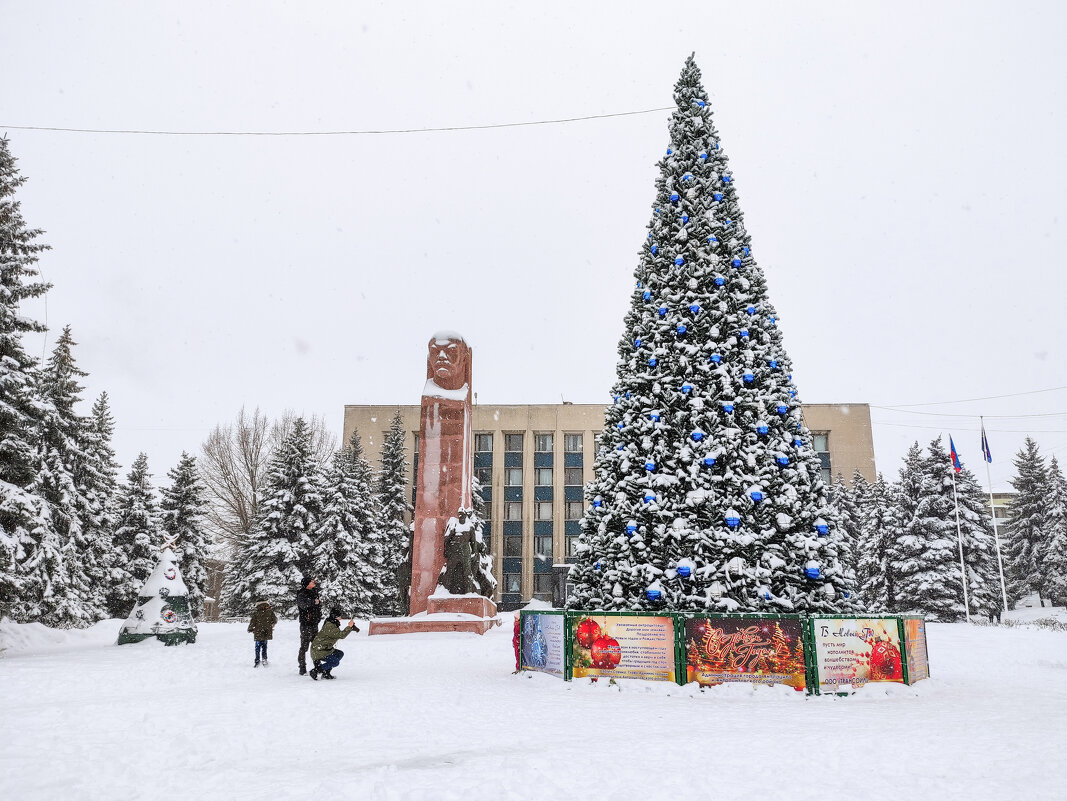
x,y
323,654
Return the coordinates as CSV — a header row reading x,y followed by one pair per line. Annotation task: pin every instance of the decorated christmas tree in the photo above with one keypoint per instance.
x,y
162,609
707,492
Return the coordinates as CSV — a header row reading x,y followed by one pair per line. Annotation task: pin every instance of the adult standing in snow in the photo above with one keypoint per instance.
x,y
309,614
324,656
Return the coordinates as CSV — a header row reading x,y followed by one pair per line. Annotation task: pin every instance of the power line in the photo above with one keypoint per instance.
x,y
366,132
971,400
974,430
957,414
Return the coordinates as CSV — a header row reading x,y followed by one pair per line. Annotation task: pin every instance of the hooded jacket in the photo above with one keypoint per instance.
x,y
309,612
322,645
262,623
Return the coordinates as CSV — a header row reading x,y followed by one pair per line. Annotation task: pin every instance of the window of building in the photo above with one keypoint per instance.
x,y
572,443
513,443
543,443
574,510
483,443
512,582
543,510
572,476
543,546
542,588
484,476
512,476
512,546
572,546
543,476
821,443
513,510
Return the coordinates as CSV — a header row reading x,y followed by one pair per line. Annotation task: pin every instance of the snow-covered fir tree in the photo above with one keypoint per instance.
x,y
184,525
393,525
846,510
25,519
880,532
707,492
1026,523
1054,564
278,550
98,478
348,556
136,540
979,547
927,567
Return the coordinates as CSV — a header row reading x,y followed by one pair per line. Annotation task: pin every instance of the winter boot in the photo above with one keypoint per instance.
x,y
255,664
315,672
328,675
303,670
265,662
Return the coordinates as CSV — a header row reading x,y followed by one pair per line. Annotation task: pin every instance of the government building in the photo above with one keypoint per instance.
x,y
532,462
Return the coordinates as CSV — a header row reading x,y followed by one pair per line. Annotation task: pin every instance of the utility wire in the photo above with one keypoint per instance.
x,y
973,430
365,132
970,400
958,414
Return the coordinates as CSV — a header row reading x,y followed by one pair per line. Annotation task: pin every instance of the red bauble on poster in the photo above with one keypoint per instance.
x,y
606,653
885,662
587,633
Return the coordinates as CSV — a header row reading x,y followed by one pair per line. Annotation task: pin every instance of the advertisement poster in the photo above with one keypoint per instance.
x,y
915,646
849,652
747,649
623,647
542,643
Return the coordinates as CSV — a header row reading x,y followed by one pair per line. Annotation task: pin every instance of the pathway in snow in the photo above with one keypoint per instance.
x,y
440,716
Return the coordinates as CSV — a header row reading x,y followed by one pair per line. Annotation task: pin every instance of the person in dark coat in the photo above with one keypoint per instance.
x,y
262,627
323,654
309,613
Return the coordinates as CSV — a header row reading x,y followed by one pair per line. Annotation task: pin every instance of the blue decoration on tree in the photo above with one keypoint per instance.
x,y
717,196
652,361
674,197
756,496
681,329
792,393
746,250
762,429
650,497
781,408
750,310
662,311
597,566
669,151
726,179
728,408
631,527
798,442
736,262
766,595
773,363
728,222
653,595
749,378
821,527
743,333
678,261
732,520
812,572
712,240
637,342
650,466
697,436
685,219
687,388
646,295
655,249
654,417
715,358
620,425
597,502
782,460
684,571
687,177
709,461
701,103
719,280
694,309
703,156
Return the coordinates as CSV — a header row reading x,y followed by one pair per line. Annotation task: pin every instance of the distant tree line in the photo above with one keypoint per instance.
x,y
903,547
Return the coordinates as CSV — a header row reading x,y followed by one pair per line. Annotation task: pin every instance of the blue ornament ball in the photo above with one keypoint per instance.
x,y
654,417
756,496
733,522
653,595
681,329
762,429
709,461
597,503
822,529
679,261
674,197
782,460
669,151
649,497
717,196
662,311
654,249
728,408
749,378
726,179
715,358
719,280
620,425
685,219
782,409
751,310
631,528
687,388
712,240
746,250
743,333
701,103
703,156
684,571
694,309
687,177
637,342
736,262
812,572
697,436
646,295
597,566
773,364
652,361
650,466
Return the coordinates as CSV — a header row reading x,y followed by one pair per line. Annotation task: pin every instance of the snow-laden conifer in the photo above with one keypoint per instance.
x,y
1054,563
979,547
184,525
880,532
706,492
847,514
136,539
393,525
278,550
1026,523
98,477
348,553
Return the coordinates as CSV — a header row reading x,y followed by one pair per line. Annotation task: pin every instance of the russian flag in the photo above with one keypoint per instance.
x,y
956,464
985,446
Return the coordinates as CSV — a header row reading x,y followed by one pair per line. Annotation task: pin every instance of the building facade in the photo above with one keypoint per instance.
x,y
532,462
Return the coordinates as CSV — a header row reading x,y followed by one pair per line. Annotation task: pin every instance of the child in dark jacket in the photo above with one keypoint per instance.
x,y
262,627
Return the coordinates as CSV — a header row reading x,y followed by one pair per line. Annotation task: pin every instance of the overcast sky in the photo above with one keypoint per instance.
x,y
901,169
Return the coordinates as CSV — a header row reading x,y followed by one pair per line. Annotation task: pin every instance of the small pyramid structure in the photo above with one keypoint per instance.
x,y
162,609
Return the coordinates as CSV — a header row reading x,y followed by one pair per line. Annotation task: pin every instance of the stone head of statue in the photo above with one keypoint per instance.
x,y
449,361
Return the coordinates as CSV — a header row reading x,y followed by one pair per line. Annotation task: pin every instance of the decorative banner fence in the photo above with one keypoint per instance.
x,y
817,653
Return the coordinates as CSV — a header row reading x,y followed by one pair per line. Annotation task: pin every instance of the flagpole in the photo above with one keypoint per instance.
x,y
996,532
959,539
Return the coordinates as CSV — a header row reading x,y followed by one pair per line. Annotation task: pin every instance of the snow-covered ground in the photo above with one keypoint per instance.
x,y
436,716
